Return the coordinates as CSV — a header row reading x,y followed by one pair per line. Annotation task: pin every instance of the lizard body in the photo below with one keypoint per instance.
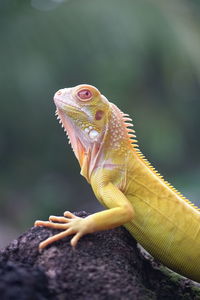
x,y
165,223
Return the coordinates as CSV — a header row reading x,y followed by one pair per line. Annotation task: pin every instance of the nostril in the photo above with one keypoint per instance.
x,y
59,92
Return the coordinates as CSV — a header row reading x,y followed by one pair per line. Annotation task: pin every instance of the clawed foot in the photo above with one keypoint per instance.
x,y
70,224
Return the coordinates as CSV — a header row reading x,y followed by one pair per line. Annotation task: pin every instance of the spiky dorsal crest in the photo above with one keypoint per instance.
x,y
135,146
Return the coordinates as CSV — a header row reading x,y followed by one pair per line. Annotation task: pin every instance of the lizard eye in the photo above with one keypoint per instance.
x,y
84,95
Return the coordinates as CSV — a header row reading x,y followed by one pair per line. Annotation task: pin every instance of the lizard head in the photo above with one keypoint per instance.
x,y
83,112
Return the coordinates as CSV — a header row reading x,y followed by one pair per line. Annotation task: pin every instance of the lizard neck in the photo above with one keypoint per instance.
x,y
113,148
117,143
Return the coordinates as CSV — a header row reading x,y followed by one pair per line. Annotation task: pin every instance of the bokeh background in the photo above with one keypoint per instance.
x,y
144,55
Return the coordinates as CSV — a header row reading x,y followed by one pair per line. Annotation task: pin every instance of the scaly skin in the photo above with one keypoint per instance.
x,y
165,223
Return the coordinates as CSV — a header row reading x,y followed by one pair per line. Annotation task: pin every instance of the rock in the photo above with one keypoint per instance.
x,y
22,282
104,265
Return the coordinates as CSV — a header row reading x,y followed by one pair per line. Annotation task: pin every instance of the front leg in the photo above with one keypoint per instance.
x,y
120,212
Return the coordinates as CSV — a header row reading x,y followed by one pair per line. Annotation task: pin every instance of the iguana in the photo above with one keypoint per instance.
x,y
165,223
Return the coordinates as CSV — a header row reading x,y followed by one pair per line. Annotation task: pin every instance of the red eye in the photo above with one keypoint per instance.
x,y
84,94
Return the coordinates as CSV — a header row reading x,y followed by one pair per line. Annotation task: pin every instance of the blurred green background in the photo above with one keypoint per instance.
x,y
144,55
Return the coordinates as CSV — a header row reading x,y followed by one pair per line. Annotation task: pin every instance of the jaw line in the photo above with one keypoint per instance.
x,y
61,105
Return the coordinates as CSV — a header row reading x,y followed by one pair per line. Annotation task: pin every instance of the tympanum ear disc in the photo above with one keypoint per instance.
x,y
99,115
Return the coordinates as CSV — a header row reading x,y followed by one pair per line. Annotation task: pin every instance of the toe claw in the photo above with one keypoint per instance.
x,y
69,214
58,219
38,223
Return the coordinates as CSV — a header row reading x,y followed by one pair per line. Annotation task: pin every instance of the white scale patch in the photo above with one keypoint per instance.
x,y
93,134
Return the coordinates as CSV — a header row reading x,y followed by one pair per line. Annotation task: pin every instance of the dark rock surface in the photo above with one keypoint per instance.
x,y
104,265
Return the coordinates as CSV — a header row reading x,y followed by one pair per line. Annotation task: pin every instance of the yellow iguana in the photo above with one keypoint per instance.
x,y
165,223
